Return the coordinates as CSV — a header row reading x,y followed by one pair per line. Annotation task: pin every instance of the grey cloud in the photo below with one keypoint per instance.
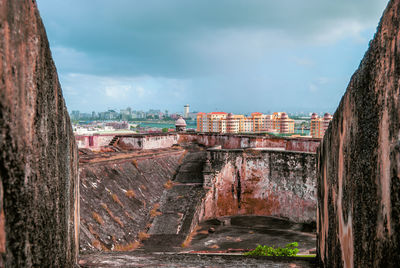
x,y
233,55
164,37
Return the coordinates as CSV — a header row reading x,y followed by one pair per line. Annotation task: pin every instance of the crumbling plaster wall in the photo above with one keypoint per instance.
x,y
39,209
260,182
358,218
93,142
147,142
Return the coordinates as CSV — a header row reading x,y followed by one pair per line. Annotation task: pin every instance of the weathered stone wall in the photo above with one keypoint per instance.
x,y
147,142
82,141
234,141
38,158
226,141
93,142
260,182
118,193
358,161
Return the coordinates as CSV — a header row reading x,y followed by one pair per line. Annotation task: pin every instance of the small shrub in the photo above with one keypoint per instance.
x,y
116,200
154,211
130,194
189,238
116,219
134,162
143,236
126,247
96,244
169,184
97,218
100,246
144,188
289,250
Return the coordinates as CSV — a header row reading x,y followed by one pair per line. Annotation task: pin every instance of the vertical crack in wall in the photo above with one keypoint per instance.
x,y
261,183
238,188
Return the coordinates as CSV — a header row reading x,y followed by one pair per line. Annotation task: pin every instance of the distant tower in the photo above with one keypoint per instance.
x,y
186,111
284,123
180,124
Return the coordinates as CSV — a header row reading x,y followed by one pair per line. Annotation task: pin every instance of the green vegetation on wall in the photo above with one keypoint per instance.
x,y
290,250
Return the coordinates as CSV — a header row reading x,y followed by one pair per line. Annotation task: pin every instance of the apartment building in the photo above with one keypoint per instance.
x,y
229,123
319,125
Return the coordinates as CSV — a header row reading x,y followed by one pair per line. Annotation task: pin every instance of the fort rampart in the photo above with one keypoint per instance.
x,y
226,141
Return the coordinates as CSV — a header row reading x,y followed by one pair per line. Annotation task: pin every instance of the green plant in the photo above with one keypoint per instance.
x,y
289,250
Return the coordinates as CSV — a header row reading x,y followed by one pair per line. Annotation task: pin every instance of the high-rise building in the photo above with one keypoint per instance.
x,y
186,111
75,115
126,114
319,125
229,123
285,124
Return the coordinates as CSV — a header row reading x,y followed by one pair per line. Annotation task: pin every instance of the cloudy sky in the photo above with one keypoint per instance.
x,y
236,56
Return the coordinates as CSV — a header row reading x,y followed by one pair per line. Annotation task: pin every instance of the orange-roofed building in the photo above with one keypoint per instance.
x,y
282,123
201,119
319,125
211,122
222,122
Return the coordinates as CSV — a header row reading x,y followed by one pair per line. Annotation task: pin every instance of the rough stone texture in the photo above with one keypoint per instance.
x,y
243,182
38,157
243,233
261,182
235,141
226,141
179,205
191,260
358,162
118,193
147,142
94,142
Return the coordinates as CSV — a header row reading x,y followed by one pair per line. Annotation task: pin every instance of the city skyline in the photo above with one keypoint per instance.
x,y
181,111
238,56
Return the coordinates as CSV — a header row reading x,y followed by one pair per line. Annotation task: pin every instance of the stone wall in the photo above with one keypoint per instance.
x,y
260,182
93,142
358,161
226,141
118,191
147,142
39,210
235,141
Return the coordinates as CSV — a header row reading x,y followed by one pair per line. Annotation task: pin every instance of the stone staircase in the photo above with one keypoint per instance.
x,y
179,206
114,141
